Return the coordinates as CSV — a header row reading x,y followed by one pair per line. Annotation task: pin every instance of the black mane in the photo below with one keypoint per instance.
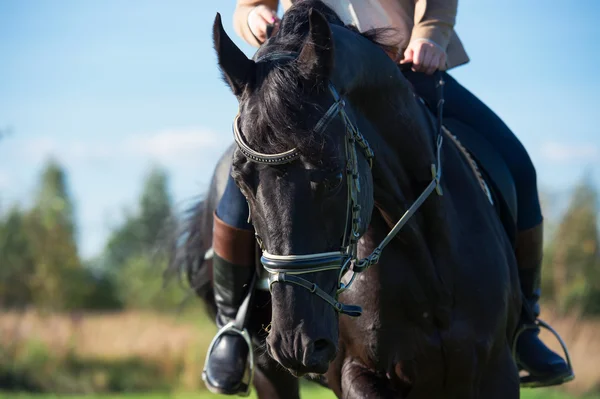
x,y
281,108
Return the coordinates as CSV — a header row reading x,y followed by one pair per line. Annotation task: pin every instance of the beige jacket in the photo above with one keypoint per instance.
x,y
431,20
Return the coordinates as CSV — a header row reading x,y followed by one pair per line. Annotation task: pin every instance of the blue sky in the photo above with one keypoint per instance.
x,y
112,87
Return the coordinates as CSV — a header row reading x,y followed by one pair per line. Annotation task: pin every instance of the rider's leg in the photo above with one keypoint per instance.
x,y
233,266
461,104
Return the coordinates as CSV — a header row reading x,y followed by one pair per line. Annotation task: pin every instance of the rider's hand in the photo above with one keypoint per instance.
x,y
259,18
425,56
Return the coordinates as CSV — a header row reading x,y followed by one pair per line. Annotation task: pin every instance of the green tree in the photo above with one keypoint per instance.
x,y
135,254
141,233
59,280
574,257
17,262
53,204
155,208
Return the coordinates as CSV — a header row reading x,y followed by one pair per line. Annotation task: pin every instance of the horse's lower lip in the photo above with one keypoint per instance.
x,y
311,373
297,374
308,372
314,376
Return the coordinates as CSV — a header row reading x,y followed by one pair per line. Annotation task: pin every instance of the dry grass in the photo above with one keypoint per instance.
x,y
107,336
582,338
172,341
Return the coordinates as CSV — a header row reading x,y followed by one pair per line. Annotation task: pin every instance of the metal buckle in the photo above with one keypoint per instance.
x,y
230,327
345,269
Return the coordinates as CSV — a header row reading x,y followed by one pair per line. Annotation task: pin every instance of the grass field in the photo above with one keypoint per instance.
x,y
136,351
307,392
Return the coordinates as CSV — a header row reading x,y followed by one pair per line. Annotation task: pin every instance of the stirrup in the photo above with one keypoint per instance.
x,y
228,328
529,381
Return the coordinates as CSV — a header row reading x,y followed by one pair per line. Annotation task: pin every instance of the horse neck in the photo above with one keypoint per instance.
x,y
403,143
402,140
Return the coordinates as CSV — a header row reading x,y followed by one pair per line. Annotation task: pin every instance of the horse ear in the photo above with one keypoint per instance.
x,y
238,70
316,56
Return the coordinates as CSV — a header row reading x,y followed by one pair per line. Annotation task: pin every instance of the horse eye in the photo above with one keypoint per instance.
x,y
333,182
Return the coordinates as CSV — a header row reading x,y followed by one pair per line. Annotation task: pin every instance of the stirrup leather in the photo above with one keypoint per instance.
x,y
229,328
528,380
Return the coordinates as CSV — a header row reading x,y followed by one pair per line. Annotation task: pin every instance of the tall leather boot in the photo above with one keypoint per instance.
x,y
545,367
233,268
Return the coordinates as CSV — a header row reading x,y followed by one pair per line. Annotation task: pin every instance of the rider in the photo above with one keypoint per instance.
x,y
426,38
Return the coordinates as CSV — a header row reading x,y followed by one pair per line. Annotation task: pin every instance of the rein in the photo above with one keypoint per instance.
x,y
288,268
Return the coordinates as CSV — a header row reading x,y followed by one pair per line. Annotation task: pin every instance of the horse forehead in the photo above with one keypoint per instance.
x,y
254,113
250,119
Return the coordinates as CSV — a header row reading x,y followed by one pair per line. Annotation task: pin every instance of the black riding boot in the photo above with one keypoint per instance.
x,y
545,367
233,267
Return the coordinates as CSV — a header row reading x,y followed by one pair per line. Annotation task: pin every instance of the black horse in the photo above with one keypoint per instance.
x,y
333,152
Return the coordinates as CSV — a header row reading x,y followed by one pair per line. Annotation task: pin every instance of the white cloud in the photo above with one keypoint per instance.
x,y
81,151
170,145
41,147
175,144
562,152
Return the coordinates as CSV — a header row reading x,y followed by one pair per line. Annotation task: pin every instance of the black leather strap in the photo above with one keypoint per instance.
x,y
241,317
350,310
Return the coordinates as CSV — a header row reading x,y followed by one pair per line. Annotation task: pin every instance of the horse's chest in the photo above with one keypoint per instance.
x,y
383,338
398,354
398,336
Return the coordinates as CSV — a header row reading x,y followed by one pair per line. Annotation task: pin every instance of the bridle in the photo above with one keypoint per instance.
x,y
289,268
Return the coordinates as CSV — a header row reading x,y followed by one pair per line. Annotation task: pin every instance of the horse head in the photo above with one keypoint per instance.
x,y
305,167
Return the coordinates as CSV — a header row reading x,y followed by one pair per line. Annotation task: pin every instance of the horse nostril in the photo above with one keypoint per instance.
x,y
320,345
318,356
323,351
